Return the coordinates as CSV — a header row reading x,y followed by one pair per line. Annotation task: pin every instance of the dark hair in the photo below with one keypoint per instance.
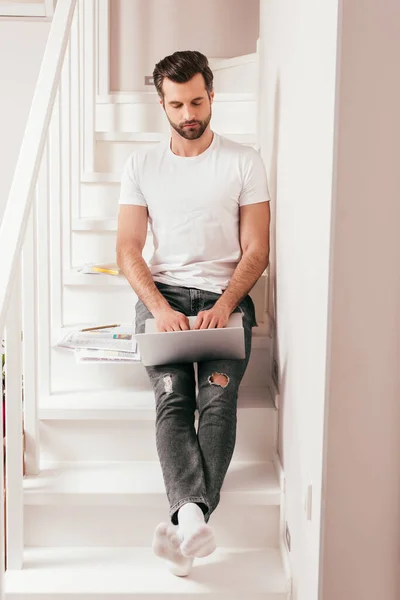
x,y
181,67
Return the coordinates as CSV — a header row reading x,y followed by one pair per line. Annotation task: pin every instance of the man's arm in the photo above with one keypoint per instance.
x,y
131,238
254,241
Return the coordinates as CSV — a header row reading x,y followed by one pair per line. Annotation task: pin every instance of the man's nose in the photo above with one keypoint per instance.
x,y
188,114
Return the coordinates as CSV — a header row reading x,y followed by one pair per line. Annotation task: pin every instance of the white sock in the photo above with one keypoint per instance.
x,y
197,537
166,545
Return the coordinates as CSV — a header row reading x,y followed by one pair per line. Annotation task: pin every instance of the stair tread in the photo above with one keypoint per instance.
x,y
140,481
76,277
235,573
129,403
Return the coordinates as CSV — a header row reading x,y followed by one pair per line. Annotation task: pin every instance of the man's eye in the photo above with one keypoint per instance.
x,y
196,103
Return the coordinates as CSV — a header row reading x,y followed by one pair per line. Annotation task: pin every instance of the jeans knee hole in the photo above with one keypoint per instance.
x,y
167,384
219,379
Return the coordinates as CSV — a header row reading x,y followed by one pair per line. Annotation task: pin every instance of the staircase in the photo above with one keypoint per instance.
x,y
94,490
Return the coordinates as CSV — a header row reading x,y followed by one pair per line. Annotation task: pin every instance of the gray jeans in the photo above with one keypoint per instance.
x,y
194,465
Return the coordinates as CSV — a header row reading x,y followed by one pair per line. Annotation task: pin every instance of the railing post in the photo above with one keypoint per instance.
x,y
14,448
87,60
3,500
30,345
103,47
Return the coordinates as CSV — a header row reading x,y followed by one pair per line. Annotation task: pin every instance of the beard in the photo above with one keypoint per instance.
x,y
191,133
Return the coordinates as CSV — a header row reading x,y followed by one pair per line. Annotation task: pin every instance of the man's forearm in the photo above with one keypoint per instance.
x,y
248,271
138,275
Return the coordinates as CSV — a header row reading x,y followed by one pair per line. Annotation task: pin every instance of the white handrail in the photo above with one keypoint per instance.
x,y
14,235
13,227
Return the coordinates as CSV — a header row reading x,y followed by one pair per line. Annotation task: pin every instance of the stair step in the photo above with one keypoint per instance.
x,y
124,404
121,573
75,277
97,177
140,484
94,224
68,376
217,64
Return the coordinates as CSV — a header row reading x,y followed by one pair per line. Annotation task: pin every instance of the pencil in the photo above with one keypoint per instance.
x,y
100,327
103,270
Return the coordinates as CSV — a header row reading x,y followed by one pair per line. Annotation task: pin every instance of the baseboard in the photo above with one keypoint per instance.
x,y
274,385
282,543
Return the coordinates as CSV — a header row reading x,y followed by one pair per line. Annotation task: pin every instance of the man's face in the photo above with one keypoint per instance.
x,y
187,106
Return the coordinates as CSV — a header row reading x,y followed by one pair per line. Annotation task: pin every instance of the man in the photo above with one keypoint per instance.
x,y
207,202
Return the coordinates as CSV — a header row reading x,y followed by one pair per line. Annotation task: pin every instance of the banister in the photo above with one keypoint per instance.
x,y
13,227
14,243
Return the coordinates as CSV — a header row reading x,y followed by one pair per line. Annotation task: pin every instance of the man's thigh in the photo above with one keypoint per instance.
x,y
175,378
233,370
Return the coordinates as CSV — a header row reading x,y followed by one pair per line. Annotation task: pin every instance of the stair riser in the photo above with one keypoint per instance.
x,y
69,376
131,440
235,117
93,246
241,78
129,526
99,199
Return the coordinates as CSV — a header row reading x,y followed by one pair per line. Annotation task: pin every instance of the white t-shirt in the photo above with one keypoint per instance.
x,y
193,205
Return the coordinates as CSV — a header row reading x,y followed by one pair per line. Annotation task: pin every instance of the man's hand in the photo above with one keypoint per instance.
x,y
171,320
215,317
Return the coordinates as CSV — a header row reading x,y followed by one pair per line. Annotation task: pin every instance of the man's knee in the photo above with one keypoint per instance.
x,y
219,379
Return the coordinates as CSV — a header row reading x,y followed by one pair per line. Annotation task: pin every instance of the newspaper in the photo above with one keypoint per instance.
x,y
120,339
113,356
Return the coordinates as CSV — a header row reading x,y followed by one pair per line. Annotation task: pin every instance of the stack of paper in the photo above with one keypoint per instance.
x,y
113,344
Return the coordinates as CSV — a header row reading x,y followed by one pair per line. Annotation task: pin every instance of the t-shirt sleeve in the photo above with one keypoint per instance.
x,y
130,192
255,183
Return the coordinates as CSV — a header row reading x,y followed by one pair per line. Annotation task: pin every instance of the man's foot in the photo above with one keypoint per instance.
x,y
166,545
197,537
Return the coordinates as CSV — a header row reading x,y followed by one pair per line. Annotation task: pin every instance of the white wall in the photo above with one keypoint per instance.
x,y
22,46
362,514
144,31
298,58
335,262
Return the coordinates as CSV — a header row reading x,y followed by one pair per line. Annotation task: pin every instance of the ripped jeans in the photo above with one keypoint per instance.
x,y
194,465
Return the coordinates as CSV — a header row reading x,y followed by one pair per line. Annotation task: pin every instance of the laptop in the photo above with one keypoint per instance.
x,y
193,345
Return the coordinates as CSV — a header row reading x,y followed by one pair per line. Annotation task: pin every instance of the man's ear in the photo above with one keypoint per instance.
x,y
212,94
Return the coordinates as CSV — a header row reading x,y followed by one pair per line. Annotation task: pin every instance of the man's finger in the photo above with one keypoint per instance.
x,y
213,323
198,322
184,325
206,322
